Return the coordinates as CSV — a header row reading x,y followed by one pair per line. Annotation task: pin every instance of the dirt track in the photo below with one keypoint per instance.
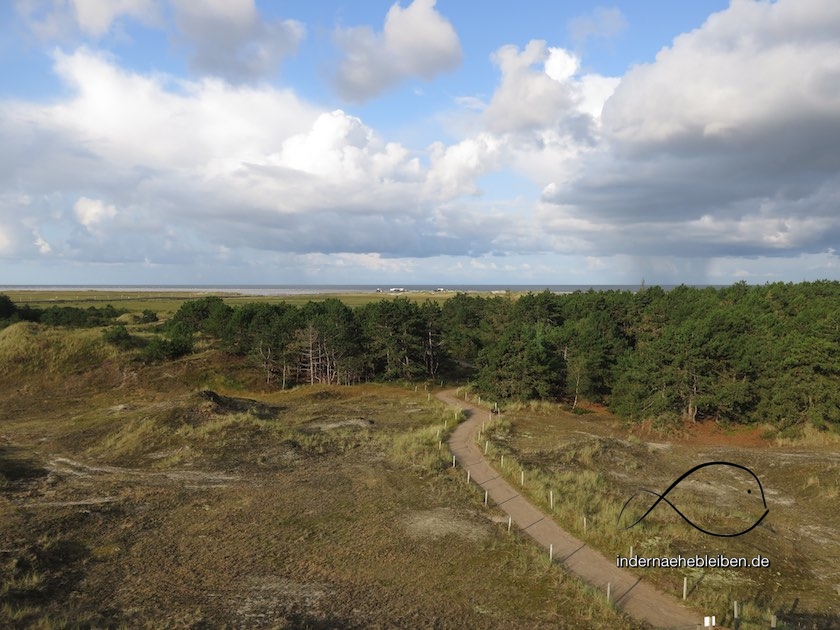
x,y
628,592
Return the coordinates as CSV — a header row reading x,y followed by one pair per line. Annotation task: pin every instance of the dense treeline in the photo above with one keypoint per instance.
x,y
69,316
742,353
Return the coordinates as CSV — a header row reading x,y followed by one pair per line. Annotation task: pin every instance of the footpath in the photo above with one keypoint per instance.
x,y
628,592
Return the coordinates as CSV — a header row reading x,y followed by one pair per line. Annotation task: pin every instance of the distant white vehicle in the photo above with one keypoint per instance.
x,y
397,290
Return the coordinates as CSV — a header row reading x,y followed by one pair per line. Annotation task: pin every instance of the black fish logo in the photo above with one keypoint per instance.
x,y
661,497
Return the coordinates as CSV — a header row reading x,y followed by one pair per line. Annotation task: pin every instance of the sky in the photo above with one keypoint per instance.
x,y
415,142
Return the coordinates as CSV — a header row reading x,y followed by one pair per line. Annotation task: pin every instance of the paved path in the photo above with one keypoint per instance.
x,y
628,592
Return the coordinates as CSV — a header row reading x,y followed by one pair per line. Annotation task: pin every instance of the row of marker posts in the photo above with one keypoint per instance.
x,y
522,482
709,621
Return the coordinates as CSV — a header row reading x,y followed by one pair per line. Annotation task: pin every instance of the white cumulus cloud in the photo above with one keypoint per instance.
x,y
416,41
229,38
95,17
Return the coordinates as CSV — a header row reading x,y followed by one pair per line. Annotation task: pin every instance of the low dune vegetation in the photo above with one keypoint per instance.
x,y
187,492
304,441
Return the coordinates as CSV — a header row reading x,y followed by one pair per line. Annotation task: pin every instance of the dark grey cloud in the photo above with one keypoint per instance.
x,y
721,147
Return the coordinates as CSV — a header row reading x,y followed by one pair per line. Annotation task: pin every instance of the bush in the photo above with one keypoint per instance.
x,y
7,307
179,344
118,336
148,317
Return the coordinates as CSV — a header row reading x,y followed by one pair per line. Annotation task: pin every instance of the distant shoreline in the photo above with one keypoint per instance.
x,y
317,289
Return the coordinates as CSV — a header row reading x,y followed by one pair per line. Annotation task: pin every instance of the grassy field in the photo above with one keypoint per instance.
x,y
165,303
593,463
183,495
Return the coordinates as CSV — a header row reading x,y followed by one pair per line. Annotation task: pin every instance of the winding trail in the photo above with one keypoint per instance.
x,y
628,592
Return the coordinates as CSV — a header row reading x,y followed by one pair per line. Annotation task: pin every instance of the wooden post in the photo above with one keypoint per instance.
x,y
550,553
521,477
510,520
685,588
468,477
735,607
584,518
479,400
551,498
486,496
608,591
772,621
502,463
453,461
631,551
486,446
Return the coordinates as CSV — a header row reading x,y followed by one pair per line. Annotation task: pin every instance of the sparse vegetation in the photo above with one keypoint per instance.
x,y
132,496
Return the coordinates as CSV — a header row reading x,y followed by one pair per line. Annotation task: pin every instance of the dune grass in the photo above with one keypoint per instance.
x,y
591,468
138,499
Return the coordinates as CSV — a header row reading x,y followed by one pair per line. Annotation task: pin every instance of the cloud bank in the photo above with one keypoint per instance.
x,y
708,161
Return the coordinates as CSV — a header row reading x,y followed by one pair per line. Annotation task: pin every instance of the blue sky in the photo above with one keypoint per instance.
x,y
232,141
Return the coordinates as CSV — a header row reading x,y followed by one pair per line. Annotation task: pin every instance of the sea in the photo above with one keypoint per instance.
x,y
312,289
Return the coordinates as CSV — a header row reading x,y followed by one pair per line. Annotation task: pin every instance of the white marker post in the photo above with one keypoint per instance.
x,y
608,591
551,499
550,553
521,477
486,497
685,588
468,477
510,521
453,461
